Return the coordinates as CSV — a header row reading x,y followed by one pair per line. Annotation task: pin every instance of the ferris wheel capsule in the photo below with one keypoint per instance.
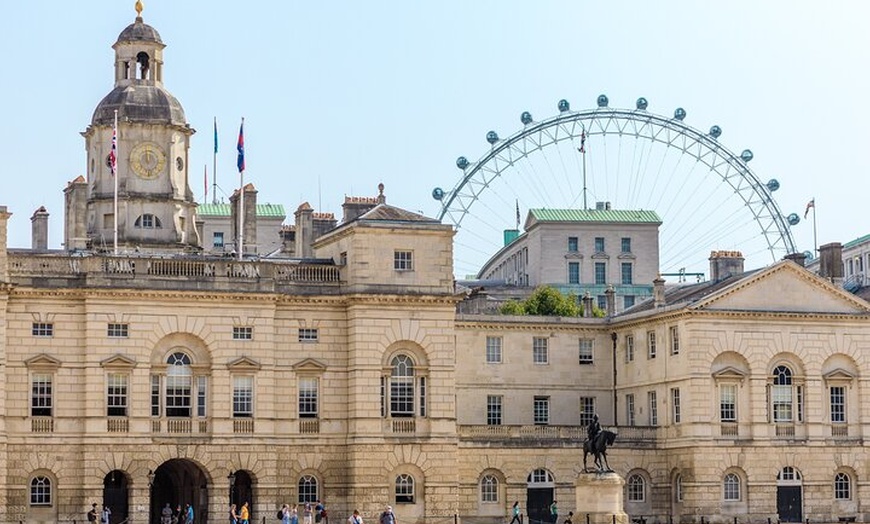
x,y
642,103
679,113
715,131
794,219
462,162
438,193
492,137
564,106
526,118
746,155
773,184
603,101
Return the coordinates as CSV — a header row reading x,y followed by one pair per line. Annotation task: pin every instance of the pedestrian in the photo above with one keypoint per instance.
x,y
306,513
105,515
570,518
517,516
92,514
166,515
285,514
294,515
188,516
318,512
355,518
554,513
234,517
388,517
246,514
177,515
324,516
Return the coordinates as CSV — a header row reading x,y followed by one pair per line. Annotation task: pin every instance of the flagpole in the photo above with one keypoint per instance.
x,y
214,166
241,163
582,150
815,234
115,181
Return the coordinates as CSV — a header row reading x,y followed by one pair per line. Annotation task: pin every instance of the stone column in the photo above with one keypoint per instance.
x,y
4,264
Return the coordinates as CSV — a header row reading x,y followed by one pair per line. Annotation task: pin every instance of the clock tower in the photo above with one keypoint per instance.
x,y
156,211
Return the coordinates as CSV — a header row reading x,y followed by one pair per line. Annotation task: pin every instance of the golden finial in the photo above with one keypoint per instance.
x,y
139,8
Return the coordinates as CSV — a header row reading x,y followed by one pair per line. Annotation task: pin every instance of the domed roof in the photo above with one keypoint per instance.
x,y
139,31
145,104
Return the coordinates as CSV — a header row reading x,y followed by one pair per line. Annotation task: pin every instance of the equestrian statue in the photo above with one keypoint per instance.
x,y
596,443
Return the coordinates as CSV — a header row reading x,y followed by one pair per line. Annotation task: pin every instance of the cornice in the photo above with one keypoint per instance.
x,y
437,300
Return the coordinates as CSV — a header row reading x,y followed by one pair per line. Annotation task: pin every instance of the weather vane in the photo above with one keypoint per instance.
x,y
139,8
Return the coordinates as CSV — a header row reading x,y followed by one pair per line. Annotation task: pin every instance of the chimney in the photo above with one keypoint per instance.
x,y
249,239
4,265
75,233
587,305
831,262
798,258
659,292
304,230
724,264
39,230
610,294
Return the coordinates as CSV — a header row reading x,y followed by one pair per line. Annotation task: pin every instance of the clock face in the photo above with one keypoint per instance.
x,y
147,160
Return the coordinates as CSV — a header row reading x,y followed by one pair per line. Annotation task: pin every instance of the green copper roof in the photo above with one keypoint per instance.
x,y
223,210
857,241
635,216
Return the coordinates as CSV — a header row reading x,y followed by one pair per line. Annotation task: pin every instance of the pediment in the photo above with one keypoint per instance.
x,y
309,365
729,372
243,364
838,374
784,287
118,361
42,361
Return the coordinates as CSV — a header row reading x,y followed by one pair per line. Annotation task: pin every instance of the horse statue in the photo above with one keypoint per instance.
x,y
598,447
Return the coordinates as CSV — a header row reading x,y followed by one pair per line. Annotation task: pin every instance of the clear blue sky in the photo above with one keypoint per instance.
x,y
339,96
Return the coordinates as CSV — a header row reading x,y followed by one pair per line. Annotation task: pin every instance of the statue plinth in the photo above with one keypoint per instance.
x,y
600,496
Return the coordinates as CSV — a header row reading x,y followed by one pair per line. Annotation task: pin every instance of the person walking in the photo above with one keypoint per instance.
x,y
306,513
388,517
570,518
92,514
105,515
517,516
234,517
245,515
166,515
554,513
188,515
355,518
285,514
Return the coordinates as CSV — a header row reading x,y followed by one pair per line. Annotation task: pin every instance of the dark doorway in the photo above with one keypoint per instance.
x,y
179,482
242,490
116,496
788,503
538,502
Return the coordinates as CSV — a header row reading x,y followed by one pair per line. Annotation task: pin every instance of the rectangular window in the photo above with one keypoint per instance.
x,y
675,340
629,348
600,273
342,258
675,405
586,351
542,411
540,352
626,245
403,260
201,396
629,409
308,334
627,301
116,395
422,396
782,403
587,410
41,395
243,397
728,403
626,274
401,396
155,395
43,329
117,330
651,344
493,410
601,302
308,397
573,272
218,239
573,245
652,400
178,395
243,333
493,350
838,404
599,244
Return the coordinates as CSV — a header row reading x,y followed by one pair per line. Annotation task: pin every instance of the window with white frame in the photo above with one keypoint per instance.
x,y
42,329
540,350
307,489
651,344
116,394
40,491
147,221
489,489
217,240
155,396
179,385
842,486
308,334
493,350
243,333
838,404
403,260
652,401
201,395
678,488
731,487
629,409
675,340
402,385
587,410
782,395
586,353
728,402
308,397
675,405
541,411
243,397
494,410
629,348
42,395
404,489
117,330
636,488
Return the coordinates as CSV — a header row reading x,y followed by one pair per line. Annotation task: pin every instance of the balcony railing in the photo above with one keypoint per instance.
x,y
840,431
309,425
117,425
42,425
243,425
729,429
404,425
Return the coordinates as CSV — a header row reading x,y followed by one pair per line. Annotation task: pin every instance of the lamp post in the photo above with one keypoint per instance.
x,y
232,480
151,476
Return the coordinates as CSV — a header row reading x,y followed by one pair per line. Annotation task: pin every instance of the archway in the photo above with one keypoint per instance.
x,y
789,496
179,482
242,489
540,493
116,495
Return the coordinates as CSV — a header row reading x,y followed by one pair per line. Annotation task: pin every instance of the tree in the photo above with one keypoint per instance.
x,y
544,301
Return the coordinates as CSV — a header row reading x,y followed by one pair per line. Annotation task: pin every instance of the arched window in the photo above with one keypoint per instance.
x,y
179,384
404,489
489,489
781,395
307,489
731,487
540,478
40,491
402,387
636,488
678,489
147,221
842,487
